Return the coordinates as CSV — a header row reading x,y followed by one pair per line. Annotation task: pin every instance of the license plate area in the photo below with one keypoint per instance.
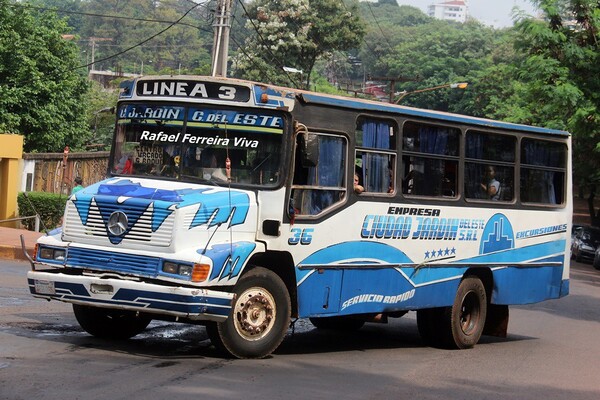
x,y
44,287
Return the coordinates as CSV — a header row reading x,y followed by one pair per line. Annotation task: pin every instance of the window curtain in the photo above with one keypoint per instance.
x,y
474,173
376,168
537,153
328,172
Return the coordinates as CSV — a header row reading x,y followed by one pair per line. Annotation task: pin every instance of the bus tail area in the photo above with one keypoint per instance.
x,y
242,206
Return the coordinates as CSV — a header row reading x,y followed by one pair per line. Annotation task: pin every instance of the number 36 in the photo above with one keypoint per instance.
x,y
302,236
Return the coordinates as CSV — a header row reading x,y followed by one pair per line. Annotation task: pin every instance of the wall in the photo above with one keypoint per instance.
x,y
48,172
11,151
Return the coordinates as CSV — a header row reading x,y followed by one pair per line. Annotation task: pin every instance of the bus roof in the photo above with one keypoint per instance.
x,y
283,97
366,105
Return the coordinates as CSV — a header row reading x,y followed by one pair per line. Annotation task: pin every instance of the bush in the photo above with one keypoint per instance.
x,y
50,207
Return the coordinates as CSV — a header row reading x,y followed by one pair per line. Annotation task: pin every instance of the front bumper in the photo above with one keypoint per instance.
x,y
183,302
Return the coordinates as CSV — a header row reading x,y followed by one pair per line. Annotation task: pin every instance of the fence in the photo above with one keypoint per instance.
x,y
54,173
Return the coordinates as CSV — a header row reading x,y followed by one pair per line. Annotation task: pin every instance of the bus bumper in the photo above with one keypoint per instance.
x,y
183,302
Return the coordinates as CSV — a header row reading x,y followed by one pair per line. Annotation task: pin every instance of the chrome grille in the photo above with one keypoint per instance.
x,y
141,231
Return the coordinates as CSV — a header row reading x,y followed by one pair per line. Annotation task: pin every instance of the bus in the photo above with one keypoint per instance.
x,y
243,206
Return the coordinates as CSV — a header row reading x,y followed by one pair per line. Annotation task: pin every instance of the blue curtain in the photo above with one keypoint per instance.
x,y
538,153
474,173
376,168
329,172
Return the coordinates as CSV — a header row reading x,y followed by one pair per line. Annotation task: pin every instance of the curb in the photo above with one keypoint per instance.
x,y
14,253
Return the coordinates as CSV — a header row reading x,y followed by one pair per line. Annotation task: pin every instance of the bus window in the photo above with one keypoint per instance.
x,y
430,160
543,166
375,161
489,166
317,188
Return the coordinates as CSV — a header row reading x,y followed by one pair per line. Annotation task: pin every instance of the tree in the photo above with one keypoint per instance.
x,y
437,53
295,34
140,36
559,78
42,93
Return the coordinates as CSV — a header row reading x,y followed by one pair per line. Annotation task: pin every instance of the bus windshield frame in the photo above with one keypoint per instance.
x,y
196,143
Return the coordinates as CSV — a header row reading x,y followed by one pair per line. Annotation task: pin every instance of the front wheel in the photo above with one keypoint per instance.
x,y
259,318
110,324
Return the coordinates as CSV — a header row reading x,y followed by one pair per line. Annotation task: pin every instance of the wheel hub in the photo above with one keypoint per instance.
x,y
254,313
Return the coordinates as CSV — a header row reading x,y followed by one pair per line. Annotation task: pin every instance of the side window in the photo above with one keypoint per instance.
x,y
543,171
430,160
489,166
375,156
319,185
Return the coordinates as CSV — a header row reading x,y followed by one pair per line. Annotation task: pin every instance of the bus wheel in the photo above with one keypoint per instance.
x,y
259,318
337,323
465,320
110,324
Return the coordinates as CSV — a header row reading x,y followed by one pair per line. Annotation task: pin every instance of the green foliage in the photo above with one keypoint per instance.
x,y
559,82
42,96
49,206
101,116
295,34
132,28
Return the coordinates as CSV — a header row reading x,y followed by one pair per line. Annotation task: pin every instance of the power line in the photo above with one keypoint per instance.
x,y
142,42
61,11
379,26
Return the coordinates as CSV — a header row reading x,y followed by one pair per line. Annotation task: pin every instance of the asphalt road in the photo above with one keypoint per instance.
x,y
552,352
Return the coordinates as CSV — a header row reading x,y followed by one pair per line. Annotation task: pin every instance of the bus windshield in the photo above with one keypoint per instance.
x,y
194,143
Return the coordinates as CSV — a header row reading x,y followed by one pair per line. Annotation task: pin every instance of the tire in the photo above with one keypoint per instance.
x,y
212,331
467,314
110,324
459,326
596,262
337,323
259,318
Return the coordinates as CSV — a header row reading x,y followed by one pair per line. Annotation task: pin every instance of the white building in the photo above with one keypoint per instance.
x,y
449,10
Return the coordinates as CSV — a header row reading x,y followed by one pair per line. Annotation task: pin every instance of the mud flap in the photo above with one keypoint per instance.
x,y
496,322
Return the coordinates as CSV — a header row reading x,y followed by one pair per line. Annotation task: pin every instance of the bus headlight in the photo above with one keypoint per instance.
x,y
197,272
49,253
170,267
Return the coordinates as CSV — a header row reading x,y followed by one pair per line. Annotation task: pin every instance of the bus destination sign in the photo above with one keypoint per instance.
x,y
192,89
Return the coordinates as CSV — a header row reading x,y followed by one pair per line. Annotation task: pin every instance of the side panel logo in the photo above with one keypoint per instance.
x,y
497,235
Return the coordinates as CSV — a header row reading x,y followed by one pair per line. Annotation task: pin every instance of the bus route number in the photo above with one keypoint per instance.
x,y
302,236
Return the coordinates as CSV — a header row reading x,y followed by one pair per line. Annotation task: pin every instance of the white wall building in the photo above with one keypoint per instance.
x,y
449,10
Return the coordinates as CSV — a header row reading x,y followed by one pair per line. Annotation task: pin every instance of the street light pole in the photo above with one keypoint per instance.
x,y
459,85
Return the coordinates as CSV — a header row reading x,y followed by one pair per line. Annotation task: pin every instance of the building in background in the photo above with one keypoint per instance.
x,y
449,10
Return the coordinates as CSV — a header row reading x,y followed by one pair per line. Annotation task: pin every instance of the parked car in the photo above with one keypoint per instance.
x,y
574,229
596,262
585,243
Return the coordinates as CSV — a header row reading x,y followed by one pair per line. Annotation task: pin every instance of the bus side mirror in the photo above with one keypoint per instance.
x,y
310,149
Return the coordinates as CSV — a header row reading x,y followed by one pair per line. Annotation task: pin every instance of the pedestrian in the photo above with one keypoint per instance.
x,y
78,185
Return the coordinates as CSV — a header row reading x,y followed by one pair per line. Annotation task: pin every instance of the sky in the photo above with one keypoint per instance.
x,y
490,12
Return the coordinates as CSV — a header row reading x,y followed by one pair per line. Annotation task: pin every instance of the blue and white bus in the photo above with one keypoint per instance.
x,y
242,206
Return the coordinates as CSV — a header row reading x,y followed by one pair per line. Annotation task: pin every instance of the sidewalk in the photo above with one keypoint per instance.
x,y
10,243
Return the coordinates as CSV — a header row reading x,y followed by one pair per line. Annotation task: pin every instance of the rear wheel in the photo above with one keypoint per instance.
x,y
110,324
461,325
259,318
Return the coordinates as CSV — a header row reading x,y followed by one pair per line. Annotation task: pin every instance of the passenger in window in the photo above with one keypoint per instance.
x,y
357,187
490,185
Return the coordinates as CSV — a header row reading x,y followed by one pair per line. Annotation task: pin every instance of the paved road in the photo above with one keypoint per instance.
x,y
552,352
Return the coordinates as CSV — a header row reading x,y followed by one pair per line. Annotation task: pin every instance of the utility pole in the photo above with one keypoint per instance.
x,y
222,26
92,41
393,81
